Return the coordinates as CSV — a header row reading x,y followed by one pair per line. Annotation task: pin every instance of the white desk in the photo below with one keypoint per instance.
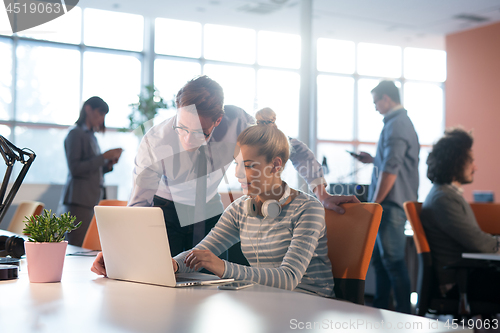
x,y
84,302
482,256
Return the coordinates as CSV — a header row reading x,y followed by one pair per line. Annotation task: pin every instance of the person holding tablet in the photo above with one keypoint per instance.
x,y
84,186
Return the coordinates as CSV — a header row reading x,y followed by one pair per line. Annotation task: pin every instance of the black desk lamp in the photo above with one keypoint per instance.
x,y
11,154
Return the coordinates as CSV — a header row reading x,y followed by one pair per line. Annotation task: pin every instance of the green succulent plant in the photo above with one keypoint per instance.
x,y
47,227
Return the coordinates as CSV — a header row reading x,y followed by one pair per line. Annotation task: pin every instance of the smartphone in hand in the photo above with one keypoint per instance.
x,y
353,154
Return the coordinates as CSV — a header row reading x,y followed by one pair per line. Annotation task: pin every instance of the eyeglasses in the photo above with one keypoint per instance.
x,y
196,135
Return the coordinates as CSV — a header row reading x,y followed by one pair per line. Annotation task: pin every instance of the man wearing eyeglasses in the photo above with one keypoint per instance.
x,y
181,162
394,181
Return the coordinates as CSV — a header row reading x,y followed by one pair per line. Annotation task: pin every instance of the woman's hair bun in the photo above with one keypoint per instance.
x,y
265,116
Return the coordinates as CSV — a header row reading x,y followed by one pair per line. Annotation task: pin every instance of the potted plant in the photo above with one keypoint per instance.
x,y
46,247
143,112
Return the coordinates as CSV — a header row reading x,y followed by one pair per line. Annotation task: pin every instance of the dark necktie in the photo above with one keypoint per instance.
x,y
200,198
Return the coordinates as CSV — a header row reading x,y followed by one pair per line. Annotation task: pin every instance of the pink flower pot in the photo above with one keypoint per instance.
x,y
45,261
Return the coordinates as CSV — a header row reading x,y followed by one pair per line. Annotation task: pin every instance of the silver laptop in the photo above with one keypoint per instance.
x,y
135,247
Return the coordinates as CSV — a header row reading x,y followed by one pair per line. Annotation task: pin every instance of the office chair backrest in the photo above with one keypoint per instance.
x,y
25,208
426,281
487,216
351,238
91,240
429,298
413,210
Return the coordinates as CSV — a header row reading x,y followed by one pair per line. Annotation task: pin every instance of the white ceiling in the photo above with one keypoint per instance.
x,y
419,23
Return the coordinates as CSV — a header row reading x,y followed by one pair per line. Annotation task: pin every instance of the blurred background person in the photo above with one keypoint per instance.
x,y
84,186
394,181
449,222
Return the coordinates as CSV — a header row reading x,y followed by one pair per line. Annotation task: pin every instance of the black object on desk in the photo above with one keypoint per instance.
x,y
11,246
9,261
8,272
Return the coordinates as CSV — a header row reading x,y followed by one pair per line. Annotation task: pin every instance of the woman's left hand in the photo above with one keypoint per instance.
x,y
197,259
98,265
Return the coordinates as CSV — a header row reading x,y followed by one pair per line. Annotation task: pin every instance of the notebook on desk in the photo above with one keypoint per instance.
x,y
135,247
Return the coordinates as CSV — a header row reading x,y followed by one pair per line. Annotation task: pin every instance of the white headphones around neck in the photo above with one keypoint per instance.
x,y
270,208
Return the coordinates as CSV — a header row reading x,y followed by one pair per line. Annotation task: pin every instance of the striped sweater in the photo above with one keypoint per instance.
x,y
287,252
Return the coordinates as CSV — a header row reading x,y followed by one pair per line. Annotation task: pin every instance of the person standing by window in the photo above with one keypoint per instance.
x,y
84,186
394,181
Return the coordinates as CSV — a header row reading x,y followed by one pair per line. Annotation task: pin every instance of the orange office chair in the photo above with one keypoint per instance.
x,y
429,297
91,240
25,208
427,288
351,238
487,216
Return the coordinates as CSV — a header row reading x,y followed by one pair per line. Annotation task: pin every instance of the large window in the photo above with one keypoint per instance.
x,y
335,108
116,78
278,49
347,119
101,53
56,70
279,90
229,44
178,38
336,56
5,79
379,60
47,143
171,75
255,68
113,30
48,83
238,83
64,29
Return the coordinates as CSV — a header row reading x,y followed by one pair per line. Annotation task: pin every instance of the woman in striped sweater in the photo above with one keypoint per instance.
x,y
282,230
